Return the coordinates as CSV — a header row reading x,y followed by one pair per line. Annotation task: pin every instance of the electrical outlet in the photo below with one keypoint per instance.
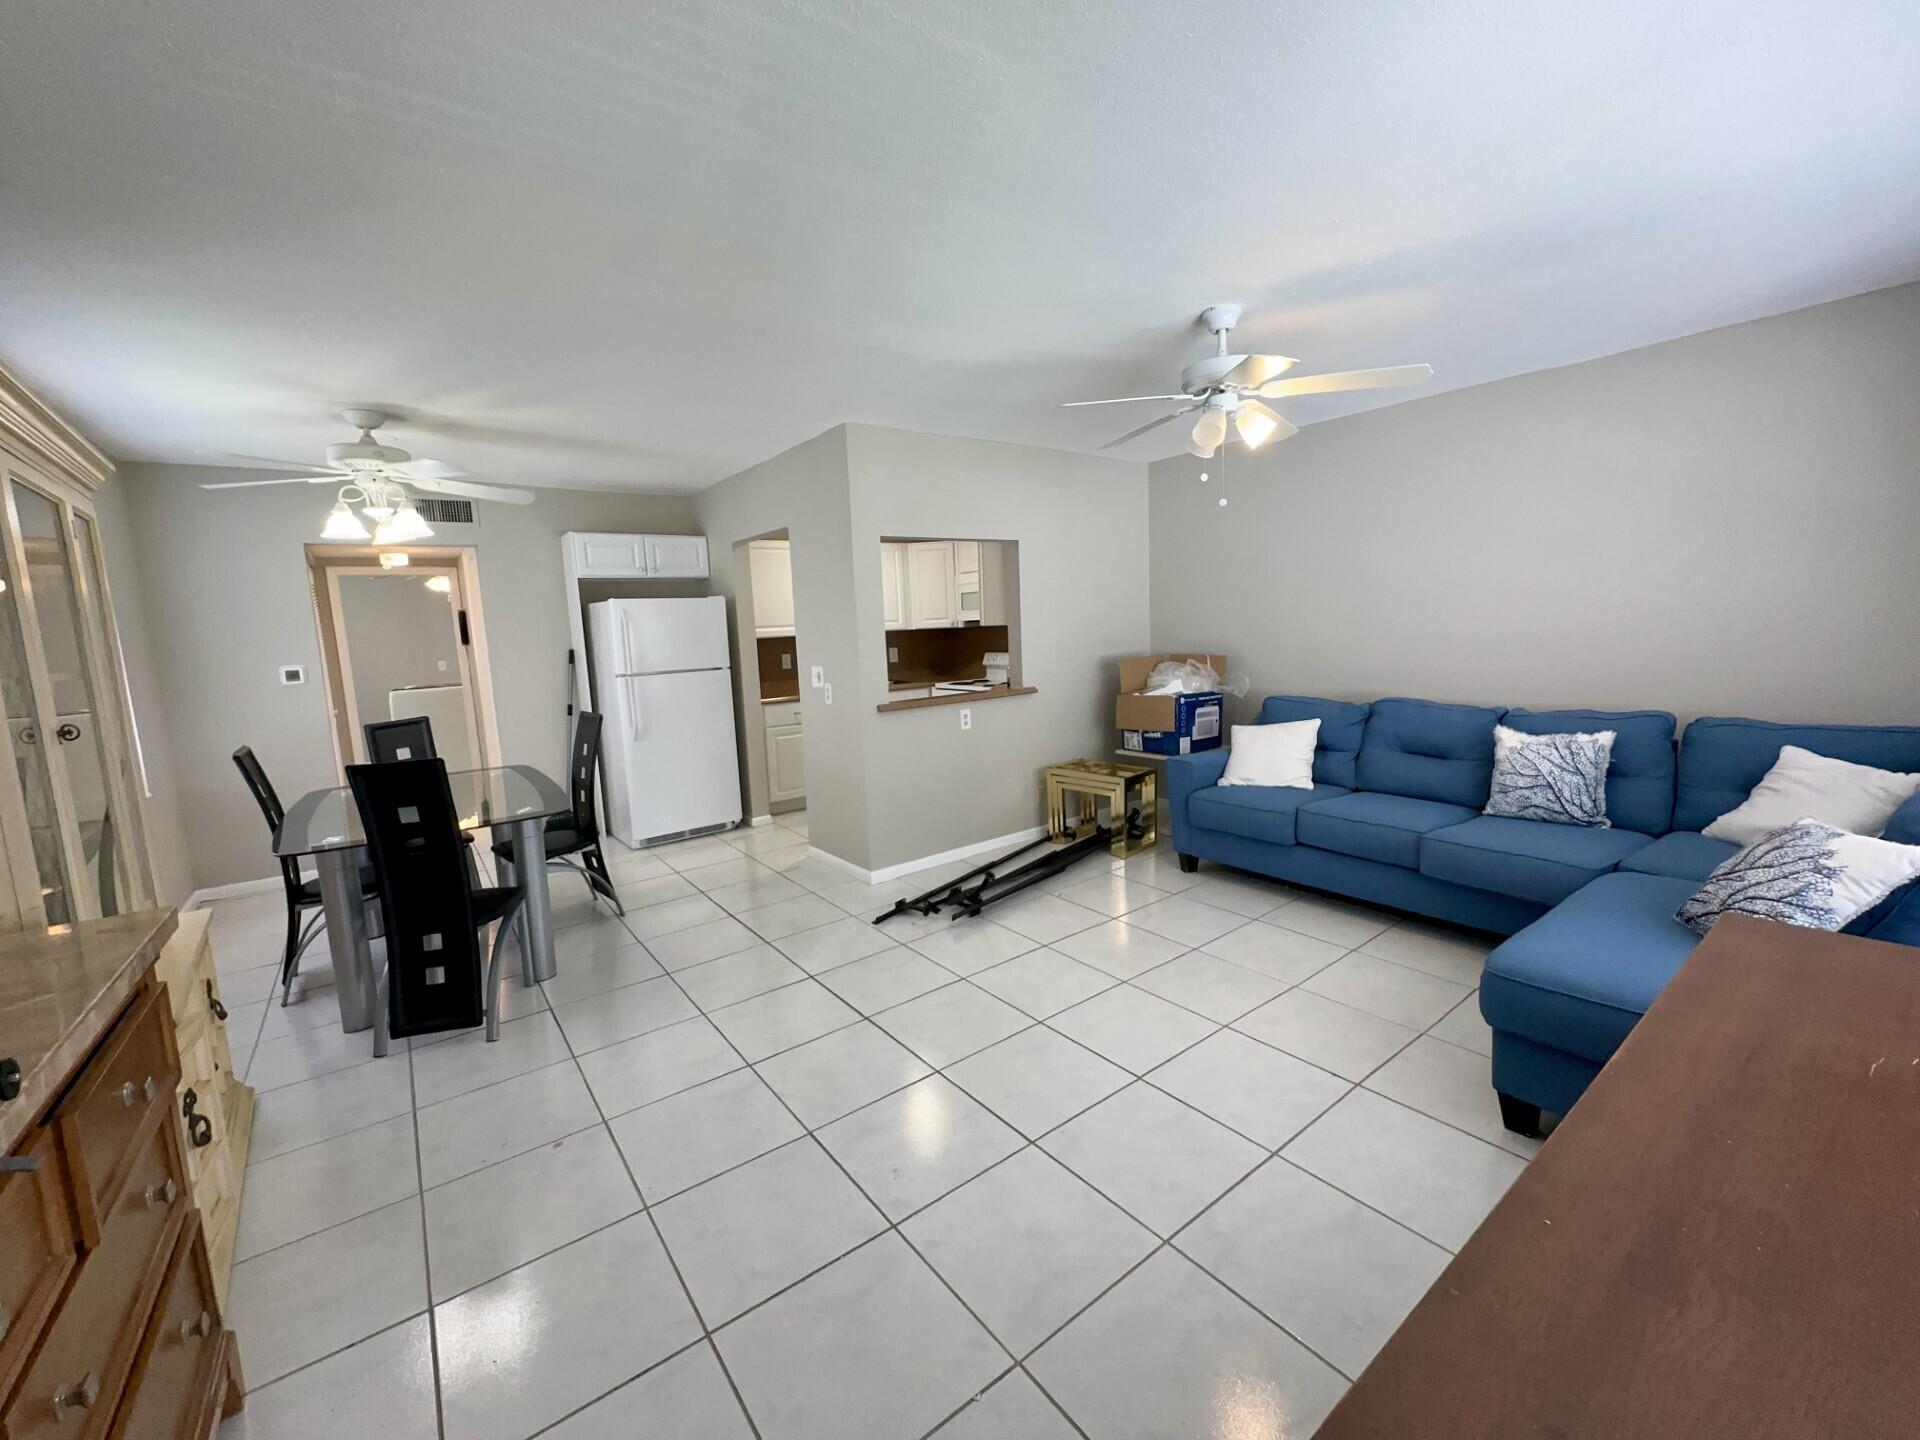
x,y
817,676
966,717
786,661
443,664
893,654
826,693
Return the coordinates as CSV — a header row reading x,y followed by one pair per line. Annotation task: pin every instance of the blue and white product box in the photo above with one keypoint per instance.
x,y
1196,726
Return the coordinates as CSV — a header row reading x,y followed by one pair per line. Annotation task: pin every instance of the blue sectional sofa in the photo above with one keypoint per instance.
x,y
1394,818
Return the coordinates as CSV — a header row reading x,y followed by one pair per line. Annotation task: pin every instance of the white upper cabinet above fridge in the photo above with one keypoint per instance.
x,y
597,556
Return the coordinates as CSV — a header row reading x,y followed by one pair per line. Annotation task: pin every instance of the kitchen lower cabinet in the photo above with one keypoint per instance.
x,y
786,754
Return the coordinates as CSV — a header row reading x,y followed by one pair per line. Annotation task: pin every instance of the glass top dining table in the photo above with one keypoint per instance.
x,y
325,824
509,794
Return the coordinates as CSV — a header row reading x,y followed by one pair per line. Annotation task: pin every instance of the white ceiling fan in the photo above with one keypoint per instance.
x,y
376,478
1226,387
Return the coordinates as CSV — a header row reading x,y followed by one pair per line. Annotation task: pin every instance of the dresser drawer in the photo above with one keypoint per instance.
x,y
174,1391
36,1250
111,1104
74,1381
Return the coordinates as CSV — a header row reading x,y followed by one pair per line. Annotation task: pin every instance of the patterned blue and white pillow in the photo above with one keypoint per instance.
x,y
1561,779
1806,874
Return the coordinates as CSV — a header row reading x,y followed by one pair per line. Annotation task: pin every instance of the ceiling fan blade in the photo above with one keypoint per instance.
x,y
1257,370
332,477
1121,400
427,469
470,489
1384,378
1150,425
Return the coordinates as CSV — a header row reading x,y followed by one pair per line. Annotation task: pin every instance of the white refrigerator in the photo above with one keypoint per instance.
x,y
664,685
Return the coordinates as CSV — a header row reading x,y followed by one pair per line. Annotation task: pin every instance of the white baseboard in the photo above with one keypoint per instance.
x,y
228,892
758,820
927,862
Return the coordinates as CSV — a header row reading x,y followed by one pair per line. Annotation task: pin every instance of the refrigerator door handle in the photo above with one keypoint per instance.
x,y
633,707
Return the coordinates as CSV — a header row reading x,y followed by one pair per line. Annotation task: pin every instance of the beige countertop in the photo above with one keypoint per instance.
x,y
59,989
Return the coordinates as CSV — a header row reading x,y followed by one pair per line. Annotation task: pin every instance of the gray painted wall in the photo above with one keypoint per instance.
x,y
223,582
1724,524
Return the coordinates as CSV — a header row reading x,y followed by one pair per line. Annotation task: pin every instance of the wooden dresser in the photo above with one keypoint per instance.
x,y
110,1324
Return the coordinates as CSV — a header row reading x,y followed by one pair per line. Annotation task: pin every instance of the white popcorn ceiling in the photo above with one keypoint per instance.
x,y
645,245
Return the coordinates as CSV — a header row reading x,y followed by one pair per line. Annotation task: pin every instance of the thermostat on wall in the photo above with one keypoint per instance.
x,y
293,674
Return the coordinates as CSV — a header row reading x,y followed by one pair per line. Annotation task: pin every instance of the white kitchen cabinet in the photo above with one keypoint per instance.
x,y
786,757
770,567
676,557
599,556
932,599
893,584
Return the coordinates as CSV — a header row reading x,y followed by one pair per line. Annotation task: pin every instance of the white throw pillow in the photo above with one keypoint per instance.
x,y
1806,874
1278,755
1802,785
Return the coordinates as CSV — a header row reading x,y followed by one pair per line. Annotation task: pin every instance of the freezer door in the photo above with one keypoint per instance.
x,y
679,767
656,637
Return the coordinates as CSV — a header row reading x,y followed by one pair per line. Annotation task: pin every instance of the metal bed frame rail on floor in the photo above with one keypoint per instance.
x,y
970,893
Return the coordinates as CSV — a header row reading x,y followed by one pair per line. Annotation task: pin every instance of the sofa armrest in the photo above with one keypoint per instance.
x,y
1184,774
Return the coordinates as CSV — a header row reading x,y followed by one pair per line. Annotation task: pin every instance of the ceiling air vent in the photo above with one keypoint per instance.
x,y
445,512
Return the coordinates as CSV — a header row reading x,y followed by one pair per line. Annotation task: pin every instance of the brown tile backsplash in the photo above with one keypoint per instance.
x,y
928,656
778,681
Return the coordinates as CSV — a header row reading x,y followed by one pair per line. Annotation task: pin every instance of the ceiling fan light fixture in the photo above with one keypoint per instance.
x,y
1256,424
342,524
408,523
1208,431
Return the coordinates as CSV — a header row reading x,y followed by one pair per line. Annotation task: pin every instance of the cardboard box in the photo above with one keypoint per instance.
x,y
1167,724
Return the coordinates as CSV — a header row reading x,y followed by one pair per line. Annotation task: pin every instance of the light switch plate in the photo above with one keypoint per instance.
x,y
826,694
966,717
817,676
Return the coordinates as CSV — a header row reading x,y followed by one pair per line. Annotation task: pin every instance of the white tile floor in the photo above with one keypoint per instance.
x,y
1145,1154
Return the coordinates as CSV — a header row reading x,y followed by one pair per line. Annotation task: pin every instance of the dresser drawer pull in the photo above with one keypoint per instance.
x,y
130,1092
79,1397
162,1194
197,1328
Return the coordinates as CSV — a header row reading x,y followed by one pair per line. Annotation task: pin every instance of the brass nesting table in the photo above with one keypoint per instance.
x,y
1087,783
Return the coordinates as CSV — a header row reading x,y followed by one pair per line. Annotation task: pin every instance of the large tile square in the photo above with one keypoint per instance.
x,y
970,945
755,891
825,1078
826,946
486,1223
698,944
1334,921
309,1054
1160,1160
687,1139
321,1294
1411,998
1110,894
329,1105
1453,1085
1339,1276
1184,920
781,918
1169,1352
874,1345
382,1386
739,976
918,1143
1455,955
1285,955
1037,1079
580,943
304,1191
1026,1245
1121,950
781,1019
1351,1043
1044,982
1212,987
891,977
652,1066
1428,1176
655,922
949,1024
1044,918
1265,1095
596,974
520,1352
687,1398
1014,1409
1249,896
685,855
471,1061
484,1126
745,1234
1133,1029
1466,1027
603,1020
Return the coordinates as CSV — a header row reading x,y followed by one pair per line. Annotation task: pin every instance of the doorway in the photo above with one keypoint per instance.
x,y
400,641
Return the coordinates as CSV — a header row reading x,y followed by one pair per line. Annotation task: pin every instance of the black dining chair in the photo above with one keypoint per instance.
x,y
435,977
390,740
573,841
302,895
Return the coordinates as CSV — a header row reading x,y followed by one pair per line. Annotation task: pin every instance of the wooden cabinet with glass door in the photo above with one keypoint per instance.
x,y
71,829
